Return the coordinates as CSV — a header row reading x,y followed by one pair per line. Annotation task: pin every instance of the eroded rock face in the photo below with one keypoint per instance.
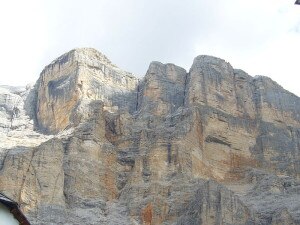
x,y
209,146
161,92
17,118
73,80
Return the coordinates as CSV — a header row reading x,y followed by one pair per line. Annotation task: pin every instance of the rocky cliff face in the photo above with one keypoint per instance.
x,y
92,144
78,77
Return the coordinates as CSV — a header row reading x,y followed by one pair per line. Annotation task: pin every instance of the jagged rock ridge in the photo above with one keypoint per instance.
x,y
209,146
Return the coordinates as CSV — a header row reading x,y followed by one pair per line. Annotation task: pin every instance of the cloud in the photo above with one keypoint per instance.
x,y
133,33
296,28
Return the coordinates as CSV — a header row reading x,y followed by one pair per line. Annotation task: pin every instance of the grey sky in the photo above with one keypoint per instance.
x,y
260,37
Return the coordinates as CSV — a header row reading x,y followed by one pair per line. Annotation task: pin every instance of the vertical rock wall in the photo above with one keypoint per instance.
x,y
75,79
209,146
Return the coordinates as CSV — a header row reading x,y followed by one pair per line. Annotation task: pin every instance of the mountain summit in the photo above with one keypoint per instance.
x,y
90,143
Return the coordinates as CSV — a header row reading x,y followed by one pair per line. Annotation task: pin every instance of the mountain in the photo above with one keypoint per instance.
x,y
90,143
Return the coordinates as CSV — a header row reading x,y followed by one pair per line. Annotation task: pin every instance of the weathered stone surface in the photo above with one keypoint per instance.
x,y
209,146
73,80
17,118
162,90
35,177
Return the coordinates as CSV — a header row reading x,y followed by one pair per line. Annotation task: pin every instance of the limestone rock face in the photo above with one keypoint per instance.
x,y
17,118
162,90
209,146
73,80
215,83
